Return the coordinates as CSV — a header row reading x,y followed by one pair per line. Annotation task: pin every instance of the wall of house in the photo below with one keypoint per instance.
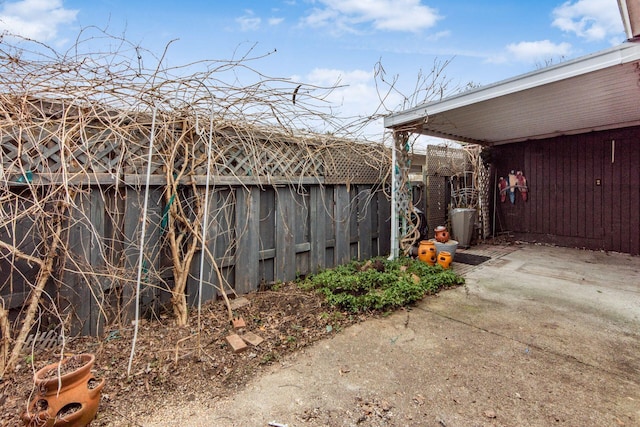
x,y
583,190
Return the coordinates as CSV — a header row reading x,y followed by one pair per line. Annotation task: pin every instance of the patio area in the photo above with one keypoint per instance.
x,y
538,336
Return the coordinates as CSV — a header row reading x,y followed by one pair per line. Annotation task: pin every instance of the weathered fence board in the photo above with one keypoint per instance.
x,y
384,224
329,207
285,243
318,219
248,232
353,222
267,235
132,226
342,225
365,237
77,290
301,231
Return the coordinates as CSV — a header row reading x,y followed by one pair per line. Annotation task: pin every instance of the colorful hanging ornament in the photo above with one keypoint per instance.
x,y
513,182
502,186
522,185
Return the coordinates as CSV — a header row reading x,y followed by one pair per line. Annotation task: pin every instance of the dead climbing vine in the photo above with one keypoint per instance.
x,y
76,131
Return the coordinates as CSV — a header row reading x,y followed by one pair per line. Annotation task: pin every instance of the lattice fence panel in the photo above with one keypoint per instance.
x,y
74,141
101,152
436,202
348,166
445,161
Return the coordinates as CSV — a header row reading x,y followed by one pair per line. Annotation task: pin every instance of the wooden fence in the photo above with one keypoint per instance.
x,y
280,206
259,235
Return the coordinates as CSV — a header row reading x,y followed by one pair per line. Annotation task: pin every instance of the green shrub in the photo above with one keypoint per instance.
x,y
380,284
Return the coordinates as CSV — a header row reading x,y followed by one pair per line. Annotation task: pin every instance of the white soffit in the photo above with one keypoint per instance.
x,y
595,92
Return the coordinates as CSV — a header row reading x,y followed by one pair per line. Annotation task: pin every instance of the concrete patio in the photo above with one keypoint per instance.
x,y
539,336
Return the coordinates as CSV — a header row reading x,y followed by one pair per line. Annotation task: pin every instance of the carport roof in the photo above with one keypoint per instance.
x,y
595,92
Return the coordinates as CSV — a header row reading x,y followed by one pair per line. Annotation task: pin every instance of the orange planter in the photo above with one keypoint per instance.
x,y
442,235
69,400
427,252
444,259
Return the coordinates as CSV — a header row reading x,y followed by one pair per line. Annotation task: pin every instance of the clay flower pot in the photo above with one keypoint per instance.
x,y
427,252
70,399
444,259
442,235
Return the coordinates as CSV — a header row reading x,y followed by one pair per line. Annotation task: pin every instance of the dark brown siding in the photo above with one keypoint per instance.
x,y
584,190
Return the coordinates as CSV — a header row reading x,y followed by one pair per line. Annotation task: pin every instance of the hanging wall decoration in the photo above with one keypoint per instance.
x,y
515,181
522,185
502,186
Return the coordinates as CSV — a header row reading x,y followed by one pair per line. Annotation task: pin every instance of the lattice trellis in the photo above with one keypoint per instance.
x,y
445,161
436,203
49,150
350,166
484,183
76,141
442,162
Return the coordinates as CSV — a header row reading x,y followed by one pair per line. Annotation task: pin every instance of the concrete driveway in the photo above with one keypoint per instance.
x,y
539,336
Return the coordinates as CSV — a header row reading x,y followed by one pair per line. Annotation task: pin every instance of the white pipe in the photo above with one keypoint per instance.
x,y
142,236
394,209
205,220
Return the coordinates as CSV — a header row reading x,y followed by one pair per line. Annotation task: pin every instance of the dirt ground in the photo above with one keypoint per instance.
x,y
167,366
527,341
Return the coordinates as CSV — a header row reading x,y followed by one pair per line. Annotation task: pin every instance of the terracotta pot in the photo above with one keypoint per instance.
x,y
427,252
444,259
442,235
70,399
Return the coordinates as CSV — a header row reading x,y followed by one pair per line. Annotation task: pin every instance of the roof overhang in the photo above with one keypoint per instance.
x,y
595,92
630,14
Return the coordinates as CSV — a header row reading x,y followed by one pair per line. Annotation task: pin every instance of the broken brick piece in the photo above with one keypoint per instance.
x,y
238,323
252,338
236,343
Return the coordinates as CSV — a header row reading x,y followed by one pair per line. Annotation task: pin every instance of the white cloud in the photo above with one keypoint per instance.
x,y
538,51
35,19
438,36
356,92
328,76
248,21
389,15
275,21
356,95
590,19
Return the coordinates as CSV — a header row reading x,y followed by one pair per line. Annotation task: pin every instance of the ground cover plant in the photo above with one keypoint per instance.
x,y
380,284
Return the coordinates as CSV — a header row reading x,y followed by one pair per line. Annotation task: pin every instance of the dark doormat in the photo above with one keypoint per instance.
x,y
470,259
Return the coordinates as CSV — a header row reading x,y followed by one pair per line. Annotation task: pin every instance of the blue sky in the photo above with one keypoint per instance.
x,y
328,41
